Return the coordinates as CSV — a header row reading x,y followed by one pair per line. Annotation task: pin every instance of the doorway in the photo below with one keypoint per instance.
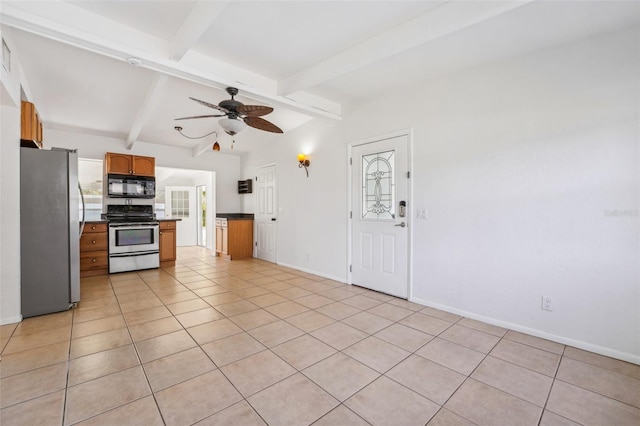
x,y
379,201
201,193
266,216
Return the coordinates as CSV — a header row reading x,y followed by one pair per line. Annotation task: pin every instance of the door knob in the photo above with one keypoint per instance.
x,y
401,224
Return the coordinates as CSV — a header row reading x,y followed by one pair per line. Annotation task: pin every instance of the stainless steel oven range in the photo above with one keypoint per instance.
x,y
133,238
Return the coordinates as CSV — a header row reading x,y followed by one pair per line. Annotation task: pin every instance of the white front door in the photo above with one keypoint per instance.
x,y
379,209
266,208
180,203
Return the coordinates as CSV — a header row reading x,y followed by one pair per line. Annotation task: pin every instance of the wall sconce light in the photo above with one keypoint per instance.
x,y
304,162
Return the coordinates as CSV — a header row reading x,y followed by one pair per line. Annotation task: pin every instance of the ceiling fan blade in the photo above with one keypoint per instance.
x,y
254,110
262,124
200,116
210,105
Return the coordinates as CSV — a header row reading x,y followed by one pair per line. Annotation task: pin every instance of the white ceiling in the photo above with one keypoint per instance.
x,y
307,59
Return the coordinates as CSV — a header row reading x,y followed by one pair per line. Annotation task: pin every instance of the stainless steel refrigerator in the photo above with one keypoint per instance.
x,y
49,230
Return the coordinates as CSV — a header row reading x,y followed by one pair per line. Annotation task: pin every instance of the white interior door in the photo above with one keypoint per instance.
x,y
266,208
379,232
180,203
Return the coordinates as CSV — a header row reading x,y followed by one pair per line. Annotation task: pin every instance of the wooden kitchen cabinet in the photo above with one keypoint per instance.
x,y
167,243
222,242
124,164
94,249
234,238
30,126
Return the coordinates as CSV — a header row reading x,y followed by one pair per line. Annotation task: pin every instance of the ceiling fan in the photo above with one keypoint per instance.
x,y
238,115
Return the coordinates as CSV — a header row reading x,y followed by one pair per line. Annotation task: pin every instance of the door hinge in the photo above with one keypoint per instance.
x,y
256,178
408,175
351,161
256,244
350,268
350,215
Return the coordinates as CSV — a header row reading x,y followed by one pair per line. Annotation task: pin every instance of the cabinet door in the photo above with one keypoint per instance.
x,y
225,240
93,241
167,245
120,164
144,166
218,239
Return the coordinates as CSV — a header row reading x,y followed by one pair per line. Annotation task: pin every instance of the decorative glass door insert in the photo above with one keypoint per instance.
x,y
379,186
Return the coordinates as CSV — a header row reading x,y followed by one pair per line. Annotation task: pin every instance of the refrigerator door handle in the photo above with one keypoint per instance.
x,y
83,209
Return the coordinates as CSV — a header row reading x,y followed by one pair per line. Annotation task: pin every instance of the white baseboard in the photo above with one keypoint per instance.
x,y
10,320
309,271
633,358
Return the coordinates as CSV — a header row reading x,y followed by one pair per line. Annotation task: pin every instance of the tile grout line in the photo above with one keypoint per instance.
x,y
305,333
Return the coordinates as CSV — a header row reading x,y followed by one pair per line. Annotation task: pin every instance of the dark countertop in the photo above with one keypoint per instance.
x,y
235,216
164,219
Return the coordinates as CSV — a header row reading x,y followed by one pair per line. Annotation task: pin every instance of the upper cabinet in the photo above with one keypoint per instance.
x,y
123,164
30,126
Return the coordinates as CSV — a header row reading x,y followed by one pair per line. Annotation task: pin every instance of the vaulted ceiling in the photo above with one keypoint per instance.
x,y
307,59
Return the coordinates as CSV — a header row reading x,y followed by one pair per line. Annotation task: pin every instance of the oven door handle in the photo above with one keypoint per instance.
x,y
134,253
135,226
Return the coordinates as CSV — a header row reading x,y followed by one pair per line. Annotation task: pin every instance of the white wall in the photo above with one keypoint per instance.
x,y
529,170
10,311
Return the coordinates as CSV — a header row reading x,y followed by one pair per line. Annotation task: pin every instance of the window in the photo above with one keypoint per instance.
x,y
179,204
378,185
90,178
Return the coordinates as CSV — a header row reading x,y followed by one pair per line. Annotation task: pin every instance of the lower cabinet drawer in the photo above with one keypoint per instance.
x,y
94,241
168,224
94,260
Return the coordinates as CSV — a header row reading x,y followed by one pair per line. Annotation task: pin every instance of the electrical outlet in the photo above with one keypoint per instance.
x,y
546,303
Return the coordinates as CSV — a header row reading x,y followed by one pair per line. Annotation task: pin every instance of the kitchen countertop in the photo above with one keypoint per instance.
x,y
235,216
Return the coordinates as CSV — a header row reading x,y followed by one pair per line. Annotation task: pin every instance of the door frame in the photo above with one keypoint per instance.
x,y
410,211
199,198
255,206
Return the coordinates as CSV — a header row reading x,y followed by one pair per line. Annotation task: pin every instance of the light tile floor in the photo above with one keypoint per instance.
x,y
212,342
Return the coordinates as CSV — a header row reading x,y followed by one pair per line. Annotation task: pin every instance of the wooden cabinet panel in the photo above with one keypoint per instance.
x,y
168,224
119,164
94,260
123,164
234,238
167,243
144,166
93,241
219,240
30,125
95,227
94,246
240,239
225,241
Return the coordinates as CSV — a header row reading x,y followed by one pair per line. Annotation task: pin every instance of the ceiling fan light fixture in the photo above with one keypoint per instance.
x,y
232,126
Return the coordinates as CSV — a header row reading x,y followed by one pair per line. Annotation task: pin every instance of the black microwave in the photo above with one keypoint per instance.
x,y
125,186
